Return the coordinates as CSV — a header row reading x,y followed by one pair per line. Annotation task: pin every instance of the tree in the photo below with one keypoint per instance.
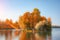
x,y
16,25
43,18
29,20
36,16
49,24
36,11
24,21
7,20
21,21
49,20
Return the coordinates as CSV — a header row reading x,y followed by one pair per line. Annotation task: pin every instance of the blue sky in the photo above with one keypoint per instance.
x,y
12,9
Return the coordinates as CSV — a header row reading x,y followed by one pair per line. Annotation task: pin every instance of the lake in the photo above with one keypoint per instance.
x,y
55,33
22,35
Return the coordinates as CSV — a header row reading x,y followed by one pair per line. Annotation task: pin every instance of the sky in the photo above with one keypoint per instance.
x,y
12,9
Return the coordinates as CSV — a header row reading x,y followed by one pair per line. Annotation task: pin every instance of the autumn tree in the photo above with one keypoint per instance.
x,y
35,16
24,21
16,25
49,24
49,20
20,22
7,21
29,20
43,18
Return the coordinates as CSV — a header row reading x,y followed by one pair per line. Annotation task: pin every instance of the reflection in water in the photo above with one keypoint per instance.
x,y
7,33
24,35
43,36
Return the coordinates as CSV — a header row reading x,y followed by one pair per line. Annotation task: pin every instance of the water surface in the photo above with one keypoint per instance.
x,y
23,35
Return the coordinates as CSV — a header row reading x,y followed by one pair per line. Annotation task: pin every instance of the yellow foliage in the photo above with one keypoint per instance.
x,y
29,19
